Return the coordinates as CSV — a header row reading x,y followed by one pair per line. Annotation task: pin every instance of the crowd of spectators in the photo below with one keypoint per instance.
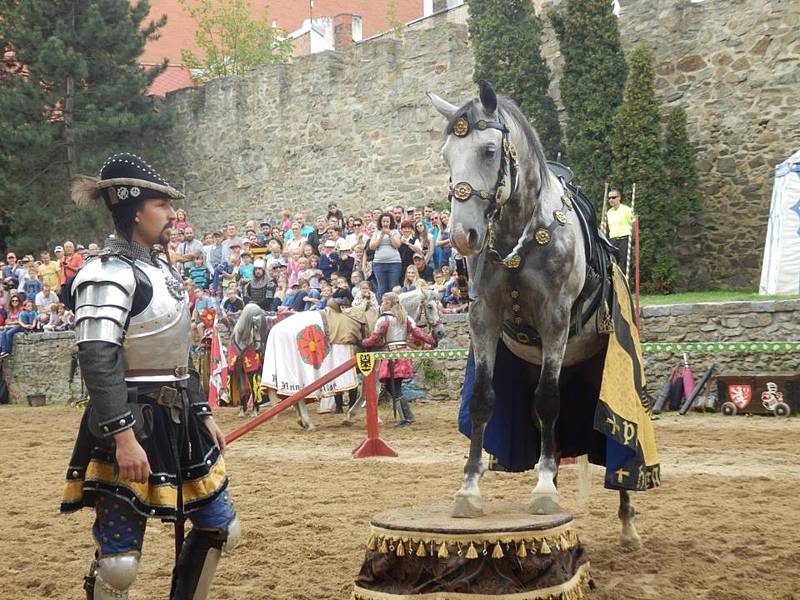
x,y
29,292
287,264
282,264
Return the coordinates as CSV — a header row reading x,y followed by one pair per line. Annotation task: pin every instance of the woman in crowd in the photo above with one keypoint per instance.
x,y
425,242
387,263
391,331
21,317
181,220
441,239
411,279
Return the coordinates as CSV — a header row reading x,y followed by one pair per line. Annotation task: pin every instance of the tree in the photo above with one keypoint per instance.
x,y
679,167
591,87
230,40
77,96
506,39
637,153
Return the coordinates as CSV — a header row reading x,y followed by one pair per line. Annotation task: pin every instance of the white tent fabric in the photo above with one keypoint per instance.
x,y
780,271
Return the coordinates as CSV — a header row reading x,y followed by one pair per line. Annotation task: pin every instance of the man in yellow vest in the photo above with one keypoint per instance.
x,y
620,218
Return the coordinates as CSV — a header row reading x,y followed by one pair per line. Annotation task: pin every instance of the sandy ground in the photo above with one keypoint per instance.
x,y
723,526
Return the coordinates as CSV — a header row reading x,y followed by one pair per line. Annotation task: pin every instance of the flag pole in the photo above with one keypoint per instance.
x,y
630,236
604,217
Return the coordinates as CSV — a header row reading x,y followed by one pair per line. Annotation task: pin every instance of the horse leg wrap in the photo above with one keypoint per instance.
x,y
110,577
195,568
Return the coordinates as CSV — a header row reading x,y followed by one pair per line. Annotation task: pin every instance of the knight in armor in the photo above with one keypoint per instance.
x,y
392,331
148,446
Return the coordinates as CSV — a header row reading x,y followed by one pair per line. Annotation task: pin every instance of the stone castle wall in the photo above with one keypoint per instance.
x,y
40,362
356,126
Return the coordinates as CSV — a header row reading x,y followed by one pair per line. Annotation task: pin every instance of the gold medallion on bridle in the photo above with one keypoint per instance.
x,y
560,217
542,236
481,124
462,191
567,201
515,294
512,263
461,127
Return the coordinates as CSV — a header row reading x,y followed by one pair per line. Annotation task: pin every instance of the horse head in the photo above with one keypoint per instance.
x,y
482,139
431,309
423,306
252,324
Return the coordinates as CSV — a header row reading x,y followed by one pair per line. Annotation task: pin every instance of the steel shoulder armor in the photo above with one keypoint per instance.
x,y
103,296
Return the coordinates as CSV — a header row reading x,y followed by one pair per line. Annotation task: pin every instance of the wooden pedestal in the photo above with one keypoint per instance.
x,y
423,553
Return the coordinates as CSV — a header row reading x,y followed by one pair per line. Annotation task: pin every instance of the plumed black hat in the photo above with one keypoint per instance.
x,y
124,181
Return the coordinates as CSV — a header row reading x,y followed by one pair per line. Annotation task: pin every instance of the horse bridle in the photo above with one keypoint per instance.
x,y
421,312
502,191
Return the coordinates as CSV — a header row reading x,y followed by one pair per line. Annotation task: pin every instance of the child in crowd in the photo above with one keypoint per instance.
x,y
363,294
199,273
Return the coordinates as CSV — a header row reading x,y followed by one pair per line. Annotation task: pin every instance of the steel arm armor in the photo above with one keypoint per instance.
x,y
103,291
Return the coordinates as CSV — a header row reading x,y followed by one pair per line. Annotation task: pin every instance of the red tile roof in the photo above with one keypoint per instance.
x,y
288,14
176,77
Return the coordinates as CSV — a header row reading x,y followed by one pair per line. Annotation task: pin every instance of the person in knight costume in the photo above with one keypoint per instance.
x,y
147,446
392,330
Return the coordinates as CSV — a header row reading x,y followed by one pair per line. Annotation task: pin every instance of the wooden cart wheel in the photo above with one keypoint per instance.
x,y
782,410
728,409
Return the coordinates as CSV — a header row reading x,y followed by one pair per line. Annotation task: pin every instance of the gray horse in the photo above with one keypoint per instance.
x,y
504,196
251,329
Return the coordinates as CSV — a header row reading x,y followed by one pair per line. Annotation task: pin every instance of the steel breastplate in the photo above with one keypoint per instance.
x,y
156,346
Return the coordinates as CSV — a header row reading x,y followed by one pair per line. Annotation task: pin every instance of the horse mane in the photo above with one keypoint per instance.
x,y
508,110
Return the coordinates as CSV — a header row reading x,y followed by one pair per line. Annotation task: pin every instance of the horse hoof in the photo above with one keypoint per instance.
x,y
544,505
630,541
467,506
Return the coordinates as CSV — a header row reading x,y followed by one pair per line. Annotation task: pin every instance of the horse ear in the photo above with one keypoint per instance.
x,y
447,110
488,96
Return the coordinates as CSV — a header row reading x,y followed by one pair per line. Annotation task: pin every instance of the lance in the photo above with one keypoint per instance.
x,y
630,235
291,400
604,217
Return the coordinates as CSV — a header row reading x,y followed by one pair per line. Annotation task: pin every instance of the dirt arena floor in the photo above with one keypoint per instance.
x,y
723,526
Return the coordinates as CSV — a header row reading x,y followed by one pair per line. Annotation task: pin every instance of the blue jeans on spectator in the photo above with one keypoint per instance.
x,y
387,275
311,294
7,338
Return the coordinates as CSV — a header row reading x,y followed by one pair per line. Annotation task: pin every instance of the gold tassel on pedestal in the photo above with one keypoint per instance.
x,y
522,551
384,547
421,552
471,552
545,549
443,553
565,545
498,551
371,544
401,548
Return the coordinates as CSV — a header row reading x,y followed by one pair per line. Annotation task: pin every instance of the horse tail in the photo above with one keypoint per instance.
x,y
584,479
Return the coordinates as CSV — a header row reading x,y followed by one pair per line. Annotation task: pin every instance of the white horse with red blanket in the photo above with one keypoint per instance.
x,y
305,346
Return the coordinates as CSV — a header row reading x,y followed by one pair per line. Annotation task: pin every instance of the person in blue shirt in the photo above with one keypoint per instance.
x,y
246,268
328,259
